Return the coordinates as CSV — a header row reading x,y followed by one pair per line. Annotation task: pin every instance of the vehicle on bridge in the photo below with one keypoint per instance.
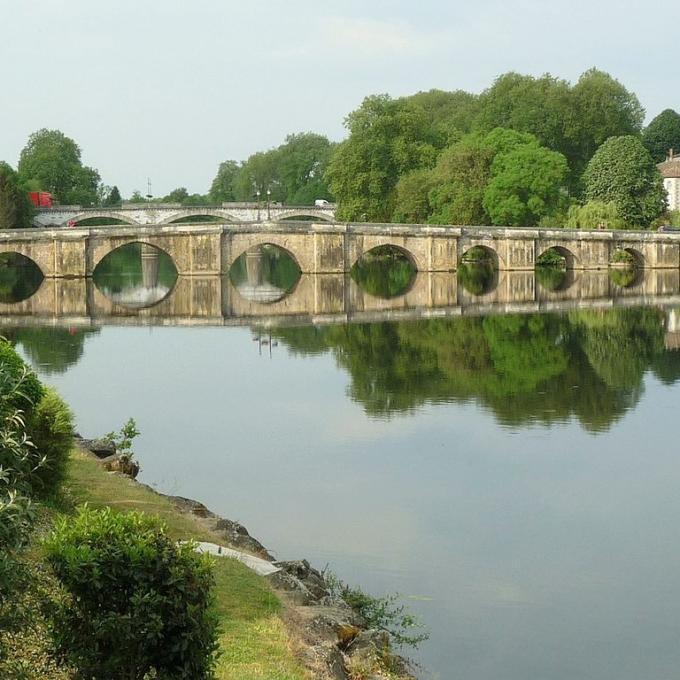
x,y
41,199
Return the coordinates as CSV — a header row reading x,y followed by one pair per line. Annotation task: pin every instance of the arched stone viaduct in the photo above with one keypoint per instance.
x,y
155,214
207,249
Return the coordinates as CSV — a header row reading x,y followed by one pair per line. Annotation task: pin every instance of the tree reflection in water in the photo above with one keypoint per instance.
x,y
524,368
20,278
384,272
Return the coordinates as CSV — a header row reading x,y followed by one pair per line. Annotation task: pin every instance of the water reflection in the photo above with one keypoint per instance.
x,y
524,368
384,272
136,276
50,350
264,274
478,278
20,278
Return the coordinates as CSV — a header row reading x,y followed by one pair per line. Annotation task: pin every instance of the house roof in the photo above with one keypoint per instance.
x,y
670,168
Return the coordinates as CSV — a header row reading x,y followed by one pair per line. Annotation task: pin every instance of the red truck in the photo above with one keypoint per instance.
x,y
40,199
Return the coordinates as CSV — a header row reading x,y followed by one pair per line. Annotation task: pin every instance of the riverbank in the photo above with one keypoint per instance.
x,y
285,627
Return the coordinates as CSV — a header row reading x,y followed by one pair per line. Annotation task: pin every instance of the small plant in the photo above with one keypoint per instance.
x,y
138,605
123,438
383,613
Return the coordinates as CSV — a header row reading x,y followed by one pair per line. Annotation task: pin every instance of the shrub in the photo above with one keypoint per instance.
x,y
50,428
383,613
17,375
139,603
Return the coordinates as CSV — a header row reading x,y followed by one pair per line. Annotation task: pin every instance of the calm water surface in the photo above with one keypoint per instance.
x,y
515,477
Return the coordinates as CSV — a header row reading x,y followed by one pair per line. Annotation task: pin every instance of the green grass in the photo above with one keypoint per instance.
x,y
254,643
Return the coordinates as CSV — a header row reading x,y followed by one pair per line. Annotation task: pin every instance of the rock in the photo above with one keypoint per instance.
x,y
123,464
370,640
239,537
310,577
101,448
336,664
292,586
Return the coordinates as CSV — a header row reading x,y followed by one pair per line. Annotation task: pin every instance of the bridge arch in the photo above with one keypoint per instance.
x,y
102,250
217,213
301,212
267,240
491,254
121,216
627,254
571,261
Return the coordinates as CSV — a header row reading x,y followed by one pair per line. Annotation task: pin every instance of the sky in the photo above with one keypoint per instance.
x,y
168,89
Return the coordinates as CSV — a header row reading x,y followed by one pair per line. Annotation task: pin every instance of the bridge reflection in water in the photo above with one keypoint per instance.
x,y
327,299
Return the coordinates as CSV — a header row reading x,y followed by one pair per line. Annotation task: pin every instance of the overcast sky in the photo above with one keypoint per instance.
x,y
168,89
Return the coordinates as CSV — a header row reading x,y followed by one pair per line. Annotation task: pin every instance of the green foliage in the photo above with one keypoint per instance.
x,y
381,613
137,602
50,429
459,181
595,215
19,381
662,135
526,185
411,202
16,210
503,177
601,107
622,172
292,173
222,187
388,138
113,198
124,437
52,161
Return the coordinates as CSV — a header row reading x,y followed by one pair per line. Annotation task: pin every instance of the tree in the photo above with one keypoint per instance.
x,y
503,177
526,184
15,208
387,139
113,198
459,181
178,195
222,187
622,172
662,134
595,215
600,108
52,161
302,162
411,203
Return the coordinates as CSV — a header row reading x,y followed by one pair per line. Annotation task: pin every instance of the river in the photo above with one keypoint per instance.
x,y
513,475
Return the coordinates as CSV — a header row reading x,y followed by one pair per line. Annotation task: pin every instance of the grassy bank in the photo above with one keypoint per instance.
x,y
254,643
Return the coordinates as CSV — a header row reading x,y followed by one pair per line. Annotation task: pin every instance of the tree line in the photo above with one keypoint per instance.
x,y
527,151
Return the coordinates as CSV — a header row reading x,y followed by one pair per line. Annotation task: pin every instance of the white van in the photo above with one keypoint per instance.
x,y
321,203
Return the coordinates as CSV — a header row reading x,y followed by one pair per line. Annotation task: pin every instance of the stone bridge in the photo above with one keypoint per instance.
x,y
321,299
154,214
211,249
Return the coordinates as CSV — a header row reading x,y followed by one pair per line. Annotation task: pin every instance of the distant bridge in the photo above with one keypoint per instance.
x,y
329,247
167,213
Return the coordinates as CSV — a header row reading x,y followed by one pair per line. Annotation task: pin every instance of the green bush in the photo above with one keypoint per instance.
x,y
139,603
50,428
17,375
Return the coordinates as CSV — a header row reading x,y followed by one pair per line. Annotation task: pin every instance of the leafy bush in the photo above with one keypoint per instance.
x,y
383,613
19,462
139,603
50,428
15,372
